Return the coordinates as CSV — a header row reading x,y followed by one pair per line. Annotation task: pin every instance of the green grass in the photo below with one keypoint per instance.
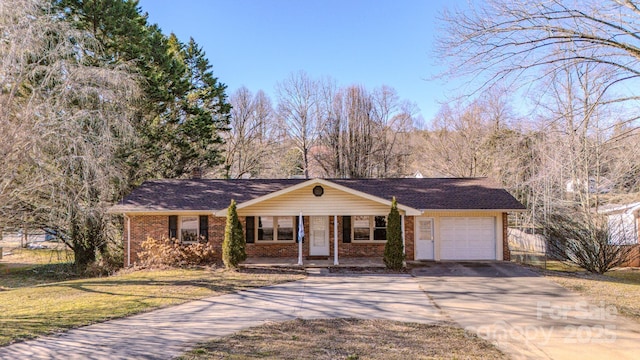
x,y
25,267
563,266
631,275
30,311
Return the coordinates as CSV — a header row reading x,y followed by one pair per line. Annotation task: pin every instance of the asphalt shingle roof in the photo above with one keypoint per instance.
x,y
215,194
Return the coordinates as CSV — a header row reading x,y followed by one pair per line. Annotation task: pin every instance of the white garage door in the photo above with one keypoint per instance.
x,y
468,238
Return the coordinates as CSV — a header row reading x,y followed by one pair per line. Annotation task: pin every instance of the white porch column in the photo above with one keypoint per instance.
x,y
335,239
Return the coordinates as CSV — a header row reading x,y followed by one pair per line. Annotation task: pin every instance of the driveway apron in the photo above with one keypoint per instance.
x,y
166,333
526,315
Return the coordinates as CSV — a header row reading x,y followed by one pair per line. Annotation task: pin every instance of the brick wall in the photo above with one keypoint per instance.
x,y
633,258
409,239
216,233
346,250
142,227
157,226
506,254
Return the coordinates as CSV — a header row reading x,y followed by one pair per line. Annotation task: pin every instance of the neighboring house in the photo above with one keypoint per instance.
x,y
624,227
604,186
442,219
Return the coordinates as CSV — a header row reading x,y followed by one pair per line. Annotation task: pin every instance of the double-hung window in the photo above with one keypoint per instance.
x,y
189,229
369,228
274,228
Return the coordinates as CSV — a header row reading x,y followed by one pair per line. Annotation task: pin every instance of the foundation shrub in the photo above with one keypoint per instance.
x,y
171,252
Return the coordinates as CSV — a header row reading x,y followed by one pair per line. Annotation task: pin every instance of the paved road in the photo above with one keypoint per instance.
x,y
526,315
166,333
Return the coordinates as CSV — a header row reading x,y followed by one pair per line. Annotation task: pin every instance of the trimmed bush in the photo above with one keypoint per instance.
x,y
393,249
233,246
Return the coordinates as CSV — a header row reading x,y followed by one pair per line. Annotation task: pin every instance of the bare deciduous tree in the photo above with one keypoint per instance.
x,y
365,134
530,40
297,107
67,120
251,139
394,121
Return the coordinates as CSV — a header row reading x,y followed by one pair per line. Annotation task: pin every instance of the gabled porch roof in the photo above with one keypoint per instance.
x,y
335,200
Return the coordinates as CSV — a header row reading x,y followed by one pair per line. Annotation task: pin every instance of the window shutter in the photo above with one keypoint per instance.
x,y
173,227
204,227
346,229
250,227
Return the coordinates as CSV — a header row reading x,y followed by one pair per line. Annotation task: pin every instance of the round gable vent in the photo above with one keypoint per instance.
x,y
318,190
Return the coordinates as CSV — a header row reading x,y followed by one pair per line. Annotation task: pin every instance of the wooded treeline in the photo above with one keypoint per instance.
x,y
317,129
94,100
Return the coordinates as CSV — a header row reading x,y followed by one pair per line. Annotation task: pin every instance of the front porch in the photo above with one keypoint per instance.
x,y
290,262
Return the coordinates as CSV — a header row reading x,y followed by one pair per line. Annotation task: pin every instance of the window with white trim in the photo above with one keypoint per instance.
x,y
189,229
275,229
425,229
285,228
369,228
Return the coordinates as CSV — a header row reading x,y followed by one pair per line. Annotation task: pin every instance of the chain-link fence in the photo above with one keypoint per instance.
x,y
13,245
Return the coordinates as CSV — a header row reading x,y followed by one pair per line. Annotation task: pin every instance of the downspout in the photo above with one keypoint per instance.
x,y
335,239
404,250
128,239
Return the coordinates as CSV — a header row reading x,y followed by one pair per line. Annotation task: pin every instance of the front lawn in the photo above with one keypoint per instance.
x,y
620,288
27,312
347,339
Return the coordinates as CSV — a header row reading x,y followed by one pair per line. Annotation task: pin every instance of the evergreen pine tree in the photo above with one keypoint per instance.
x,y
184,107
233,246
393,249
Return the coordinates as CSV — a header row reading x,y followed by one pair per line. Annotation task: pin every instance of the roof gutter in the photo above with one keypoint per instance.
x,y
161,212
474,210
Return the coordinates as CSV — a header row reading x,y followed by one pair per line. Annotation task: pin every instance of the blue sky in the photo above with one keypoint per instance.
x,y
258,43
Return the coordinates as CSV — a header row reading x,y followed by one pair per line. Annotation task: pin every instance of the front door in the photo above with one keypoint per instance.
x,y
424,238
319,236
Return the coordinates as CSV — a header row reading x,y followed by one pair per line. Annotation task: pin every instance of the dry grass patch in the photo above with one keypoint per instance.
x,y
620,288
28,312
348,339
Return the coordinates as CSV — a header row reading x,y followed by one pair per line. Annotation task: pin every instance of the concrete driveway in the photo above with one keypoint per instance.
x,y
166,333
526,315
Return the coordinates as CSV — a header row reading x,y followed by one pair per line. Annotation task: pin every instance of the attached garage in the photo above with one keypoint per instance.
x,y
468,238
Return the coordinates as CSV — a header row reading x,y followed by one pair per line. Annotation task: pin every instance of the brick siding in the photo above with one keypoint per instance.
x,y
506,254
142,227
409,239
157,226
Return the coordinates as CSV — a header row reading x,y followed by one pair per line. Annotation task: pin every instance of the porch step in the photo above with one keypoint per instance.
x,y
317,271
317,258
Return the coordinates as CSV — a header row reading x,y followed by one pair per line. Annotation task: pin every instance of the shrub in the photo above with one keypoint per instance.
x,y
111,257
393,249
586,239
233,246
170,252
